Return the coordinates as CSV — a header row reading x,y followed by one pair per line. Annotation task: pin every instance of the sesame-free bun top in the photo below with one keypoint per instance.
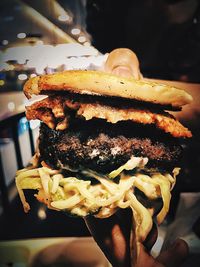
x,y
101,83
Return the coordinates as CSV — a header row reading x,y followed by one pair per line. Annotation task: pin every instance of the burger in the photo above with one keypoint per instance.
x,y
106,142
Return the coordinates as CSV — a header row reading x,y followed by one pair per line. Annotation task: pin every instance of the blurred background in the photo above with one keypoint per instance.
x,y
45,36
36,37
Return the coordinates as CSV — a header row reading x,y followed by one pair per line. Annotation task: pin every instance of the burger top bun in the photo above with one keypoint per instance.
x,y
106,84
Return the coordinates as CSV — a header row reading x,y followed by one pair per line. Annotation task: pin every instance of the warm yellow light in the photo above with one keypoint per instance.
x,y
10,67
22,77
64,17
42,213
21,35
11,106
81,39
2,82
87,44
75,31
33,75
4,42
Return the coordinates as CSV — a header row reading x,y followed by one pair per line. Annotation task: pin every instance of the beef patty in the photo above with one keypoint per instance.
x,y
103,150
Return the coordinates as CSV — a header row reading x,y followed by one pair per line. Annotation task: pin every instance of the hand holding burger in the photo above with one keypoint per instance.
x,y
113,234
113,237
106,143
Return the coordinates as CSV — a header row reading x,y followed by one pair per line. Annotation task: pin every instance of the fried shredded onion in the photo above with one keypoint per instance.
x,y
102,199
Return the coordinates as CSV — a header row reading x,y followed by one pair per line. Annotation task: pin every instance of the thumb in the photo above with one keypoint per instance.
x,y
175,255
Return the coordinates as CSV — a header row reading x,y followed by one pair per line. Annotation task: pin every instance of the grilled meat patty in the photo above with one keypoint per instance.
x,y
105,148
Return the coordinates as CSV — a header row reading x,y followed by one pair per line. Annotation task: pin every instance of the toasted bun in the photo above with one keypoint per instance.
x,y
102,83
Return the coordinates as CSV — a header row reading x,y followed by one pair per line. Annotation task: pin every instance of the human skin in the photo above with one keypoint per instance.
x,y
113,237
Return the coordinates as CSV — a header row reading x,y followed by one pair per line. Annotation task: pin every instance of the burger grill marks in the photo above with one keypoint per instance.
x,y
55,111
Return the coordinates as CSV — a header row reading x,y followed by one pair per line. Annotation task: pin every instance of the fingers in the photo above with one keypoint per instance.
x,y
113,237
110,239
144,259
122,71
175,255
123,62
